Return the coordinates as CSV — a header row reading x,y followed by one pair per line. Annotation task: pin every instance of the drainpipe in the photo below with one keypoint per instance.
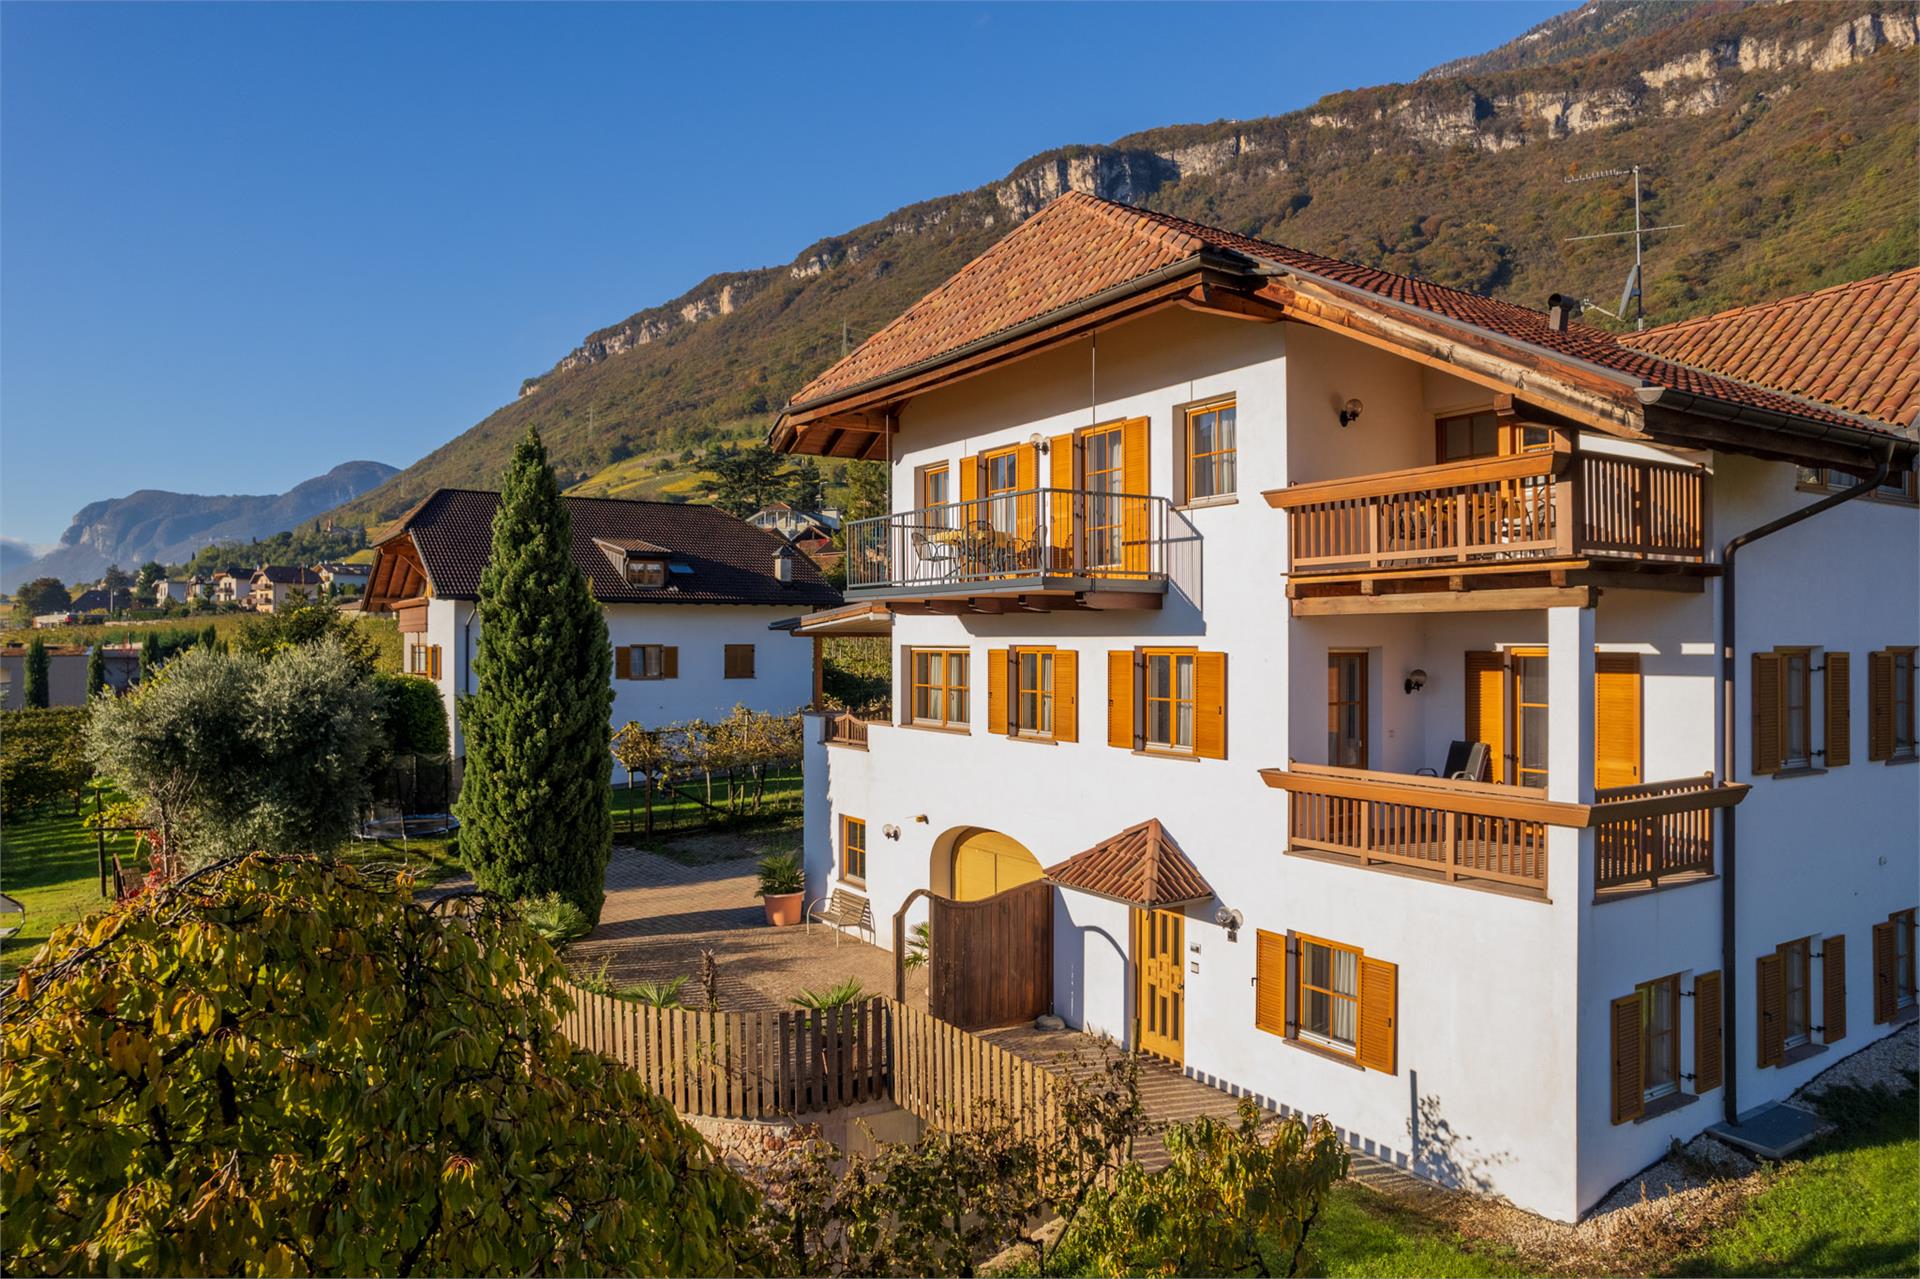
x,y
1728,932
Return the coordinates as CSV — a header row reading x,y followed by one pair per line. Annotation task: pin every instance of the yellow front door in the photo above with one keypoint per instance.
x,y
1159,952
987,862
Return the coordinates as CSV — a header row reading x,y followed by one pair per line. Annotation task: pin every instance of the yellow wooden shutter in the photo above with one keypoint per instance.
x,y
1270,982
1066,695
433,659
1707,1057
1629,1074
1833,988
969,486
1379,1010
997,690
623,662
1839,709
1062,516
1616,719
1026,478
1886,998
1770,1002
1486,708
1120,664
1136,478
1210,705
1879,706
670,662
1766,713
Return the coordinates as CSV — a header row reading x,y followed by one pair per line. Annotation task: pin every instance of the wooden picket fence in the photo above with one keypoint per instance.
x,y
765,1065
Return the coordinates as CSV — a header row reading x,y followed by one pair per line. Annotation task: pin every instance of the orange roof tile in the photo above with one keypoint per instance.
x,y
1079,246
1140,865
1855,346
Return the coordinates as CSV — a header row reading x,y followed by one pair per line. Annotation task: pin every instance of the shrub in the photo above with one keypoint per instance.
x,y
42,758
839,995
556,919
781,873
413,713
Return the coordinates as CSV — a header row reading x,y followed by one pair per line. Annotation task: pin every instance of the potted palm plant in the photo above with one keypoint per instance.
x,y
782,888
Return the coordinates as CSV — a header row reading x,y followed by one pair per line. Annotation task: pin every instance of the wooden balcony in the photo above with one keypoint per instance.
x,y
846,729
1496,835
1529,530
1035,550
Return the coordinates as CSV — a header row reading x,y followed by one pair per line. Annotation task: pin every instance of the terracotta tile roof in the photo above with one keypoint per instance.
x,y
1139,865
1080,245
726,561
1855,346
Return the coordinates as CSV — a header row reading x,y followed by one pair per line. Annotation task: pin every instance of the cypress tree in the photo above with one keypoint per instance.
x,y
535,802
149,654
36,690
97,667
210,636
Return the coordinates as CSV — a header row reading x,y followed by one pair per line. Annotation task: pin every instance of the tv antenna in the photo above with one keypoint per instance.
x,y
848,332
1631,293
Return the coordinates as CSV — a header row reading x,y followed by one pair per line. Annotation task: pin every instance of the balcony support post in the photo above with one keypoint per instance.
x,y
1568,508
1570,672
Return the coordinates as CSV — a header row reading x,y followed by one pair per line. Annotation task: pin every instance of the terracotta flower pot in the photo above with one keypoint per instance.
x,y
784,909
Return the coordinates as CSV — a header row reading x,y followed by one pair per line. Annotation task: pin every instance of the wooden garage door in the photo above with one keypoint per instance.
x,y
988,862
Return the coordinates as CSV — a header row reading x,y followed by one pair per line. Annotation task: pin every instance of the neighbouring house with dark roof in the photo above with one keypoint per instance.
x,y
689,593
1338,657
274,585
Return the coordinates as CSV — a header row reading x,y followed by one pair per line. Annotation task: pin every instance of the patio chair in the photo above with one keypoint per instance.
x,y
941,557
843,910
1466,762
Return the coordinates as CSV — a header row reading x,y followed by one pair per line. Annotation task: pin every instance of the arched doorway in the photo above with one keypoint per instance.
x,y
985,862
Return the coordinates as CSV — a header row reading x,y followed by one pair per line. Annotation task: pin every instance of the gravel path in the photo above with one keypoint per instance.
x,y
1891,1063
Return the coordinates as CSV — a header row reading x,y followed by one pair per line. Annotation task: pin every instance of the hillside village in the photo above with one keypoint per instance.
x,y
1192,740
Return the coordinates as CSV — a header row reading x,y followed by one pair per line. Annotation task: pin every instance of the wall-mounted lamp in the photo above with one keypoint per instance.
x,y
890,831
922,819
1039,441
1229,919
1350,412
1416,680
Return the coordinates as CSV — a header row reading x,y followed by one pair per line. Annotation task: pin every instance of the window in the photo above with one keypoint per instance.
x,y
1901,486
1467,435
1894,992
1891,731
1347,710
1002,472
739,661
939,677
425,660
1328,996
1660,1037
1169,704
1796,678
646,572
647,661
853,850
933,485
1103,475
1530,716
1788,728
1033,691
1211,450
1796,960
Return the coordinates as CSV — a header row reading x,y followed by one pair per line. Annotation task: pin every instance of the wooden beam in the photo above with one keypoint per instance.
x,y
1488,601
1688,431
1232,304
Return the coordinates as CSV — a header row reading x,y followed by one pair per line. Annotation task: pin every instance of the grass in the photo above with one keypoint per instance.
x,y
1363,1233
679,812
49,864
1850,1207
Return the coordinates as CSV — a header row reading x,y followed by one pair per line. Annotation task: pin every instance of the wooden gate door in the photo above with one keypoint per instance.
x,y
1159,953
991,961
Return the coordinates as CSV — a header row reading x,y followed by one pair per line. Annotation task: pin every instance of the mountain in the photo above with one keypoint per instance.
x,y
156,525
1781,135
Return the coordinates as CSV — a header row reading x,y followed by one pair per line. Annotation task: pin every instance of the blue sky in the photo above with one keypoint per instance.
x,y
240,244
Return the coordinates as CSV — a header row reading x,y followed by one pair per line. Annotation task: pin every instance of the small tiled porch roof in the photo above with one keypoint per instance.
x,y
1140,866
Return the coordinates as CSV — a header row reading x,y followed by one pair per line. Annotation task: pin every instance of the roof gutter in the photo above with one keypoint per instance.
x,y
1865,436
1205,259
1729,756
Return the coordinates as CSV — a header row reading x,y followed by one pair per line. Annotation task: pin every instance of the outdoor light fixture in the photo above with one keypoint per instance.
x,y
1416,680
1350,412
890,831
1229,919
1039,441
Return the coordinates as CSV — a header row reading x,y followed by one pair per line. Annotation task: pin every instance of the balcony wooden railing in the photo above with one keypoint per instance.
x,y
1673,836
845,729
1032,533
1550,504
1485,831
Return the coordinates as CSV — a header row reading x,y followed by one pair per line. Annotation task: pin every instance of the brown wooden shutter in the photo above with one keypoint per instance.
x,y
1210,705
1616,719
1839,709
1879,706
1379,1010
1766,714
1120,668
433,659
738,660
1886,999
670,661
1833,988
623,662
1270,982
1136,479
1629,1073
1486,707
1066,695
1770,1000
1708,1060
997,690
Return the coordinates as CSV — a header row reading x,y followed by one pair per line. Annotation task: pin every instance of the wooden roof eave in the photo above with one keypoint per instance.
x,y
399,575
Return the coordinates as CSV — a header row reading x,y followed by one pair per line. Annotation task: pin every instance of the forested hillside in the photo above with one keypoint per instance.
x,y
1783,136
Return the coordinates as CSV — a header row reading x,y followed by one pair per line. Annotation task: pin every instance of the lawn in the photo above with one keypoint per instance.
x,y
49,864
1363,1233
682,810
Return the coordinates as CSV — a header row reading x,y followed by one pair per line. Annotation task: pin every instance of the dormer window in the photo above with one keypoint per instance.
x,y
646,572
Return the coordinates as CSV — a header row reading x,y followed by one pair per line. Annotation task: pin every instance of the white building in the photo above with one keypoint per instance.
x,y
177,590
232,588
344,581
1238,540
276,585
689,593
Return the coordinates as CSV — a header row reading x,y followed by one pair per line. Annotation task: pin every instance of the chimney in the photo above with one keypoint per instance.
x,y
1560,310
783,563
